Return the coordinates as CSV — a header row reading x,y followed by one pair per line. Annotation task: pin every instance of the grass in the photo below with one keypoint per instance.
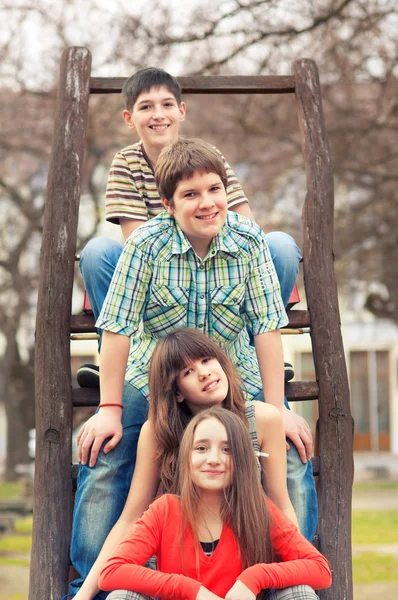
x,y
376,485
375,527
11,489
19,562
15,544
24,525
371,567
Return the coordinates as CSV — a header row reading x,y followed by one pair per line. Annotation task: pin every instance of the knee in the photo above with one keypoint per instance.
x,y
295,592
282,244
304,592
100,249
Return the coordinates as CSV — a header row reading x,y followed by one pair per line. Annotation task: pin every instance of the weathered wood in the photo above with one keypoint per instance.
x,y
294,390
315,469
335,433
52,507
244,84
84,323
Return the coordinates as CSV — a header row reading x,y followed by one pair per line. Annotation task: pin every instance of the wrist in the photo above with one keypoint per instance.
x,y
110,405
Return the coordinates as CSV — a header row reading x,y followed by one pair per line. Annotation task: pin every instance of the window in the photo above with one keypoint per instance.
x,y
370,399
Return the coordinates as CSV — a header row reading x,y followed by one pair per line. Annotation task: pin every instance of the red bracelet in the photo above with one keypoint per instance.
x,y
110,404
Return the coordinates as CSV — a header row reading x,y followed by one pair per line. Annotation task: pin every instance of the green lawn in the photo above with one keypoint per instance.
x,y
24,525
370,567
15,544
10,490
375,527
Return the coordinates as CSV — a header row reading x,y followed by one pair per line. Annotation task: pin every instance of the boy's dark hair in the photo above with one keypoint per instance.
x,y
146,79
181,159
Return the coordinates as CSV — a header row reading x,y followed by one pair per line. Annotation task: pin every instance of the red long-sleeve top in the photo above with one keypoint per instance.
x,y
158,532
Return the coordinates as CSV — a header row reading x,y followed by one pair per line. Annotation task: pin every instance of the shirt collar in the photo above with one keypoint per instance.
x,y
224,241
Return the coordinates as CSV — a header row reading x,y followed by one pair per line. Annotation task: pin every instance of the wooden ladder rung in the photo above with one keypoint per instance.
x,y
294,390
315,468
210,84
84,323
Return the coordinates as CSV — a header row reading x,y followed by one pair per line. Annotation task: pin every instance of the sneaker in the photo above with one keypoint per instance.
x,y
88,376
289,372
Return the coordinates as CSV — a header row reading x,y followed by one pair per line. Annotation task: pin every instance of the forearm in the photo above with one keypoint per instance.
x,y
270,361
244,210
113,361
312,571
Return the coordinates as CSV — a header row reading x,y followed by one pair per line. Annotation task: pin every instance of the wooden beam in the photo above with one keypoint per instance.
x,y
53,491
211,84
335,425
294,390
315,469
84,323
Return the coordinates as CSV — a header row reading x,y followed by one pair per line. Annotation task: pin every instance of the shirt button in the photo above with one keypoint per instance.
x,y
201,267
202,296
201,325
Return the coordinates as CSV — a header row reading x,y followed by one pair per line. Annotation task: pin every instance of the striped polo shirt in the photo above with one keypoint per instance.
x,y
131,191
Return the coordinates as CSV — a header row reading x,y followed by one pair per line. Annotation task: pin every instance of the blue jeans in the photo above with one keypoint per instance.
x,y
98,262
102,490
301,487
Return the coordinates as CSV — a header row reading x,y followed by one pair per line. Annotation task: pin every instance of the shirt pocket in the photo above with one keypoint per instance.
x,y
227,307
166,309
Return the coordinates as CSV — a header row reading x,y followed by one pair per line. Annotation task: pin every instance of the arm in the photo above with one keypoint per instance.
x,y
265,316
301,563
143,489
271,436
120,317
124,569
128,226
270,361
244,209
107,422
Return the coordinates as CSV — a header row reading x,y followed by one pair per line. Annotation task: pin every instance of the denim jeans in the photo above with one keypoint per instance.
x,y
301,487
102,490
98,262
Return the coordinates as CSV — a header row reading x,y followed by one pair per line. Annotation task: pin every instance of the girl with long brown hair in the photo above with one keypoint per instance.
x,y
189,373
220,537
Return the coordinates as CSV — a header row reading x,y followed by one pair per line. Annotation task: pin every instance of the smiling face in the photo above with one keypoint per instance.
x,y
200,208
201,384
156,117
211,461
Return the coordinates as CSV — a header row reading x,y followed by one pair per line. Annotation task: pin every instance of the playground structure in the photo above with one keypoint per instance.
x,y
55,397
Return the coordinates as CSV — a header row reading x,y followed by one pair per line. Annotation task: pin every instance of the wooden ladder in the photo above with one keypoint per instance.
x,y
55,398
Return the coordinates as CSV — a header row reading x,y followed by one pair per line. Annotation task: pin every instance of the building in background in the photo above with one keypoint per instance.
x,y
371,350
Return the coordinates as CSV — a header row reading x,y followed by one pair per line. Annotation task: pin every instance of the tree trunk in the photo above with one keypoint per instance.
x,y
20,409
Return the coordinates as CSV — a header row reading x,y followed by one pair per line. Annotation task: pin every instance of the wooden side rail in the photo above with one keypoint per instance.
x,y
53,491
335,423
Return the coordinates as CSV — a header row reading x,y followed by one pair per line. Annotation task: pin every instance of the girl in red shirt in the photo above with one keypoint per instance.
x,y
220,537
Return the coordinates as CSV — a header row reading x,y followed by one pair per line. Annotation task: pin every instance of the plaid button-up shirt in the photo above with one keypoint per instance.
x,y
160,284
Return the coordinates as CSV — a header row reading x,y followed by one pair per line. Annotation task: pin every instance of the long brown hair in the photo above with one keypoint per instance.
x,y
244,508
169,417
